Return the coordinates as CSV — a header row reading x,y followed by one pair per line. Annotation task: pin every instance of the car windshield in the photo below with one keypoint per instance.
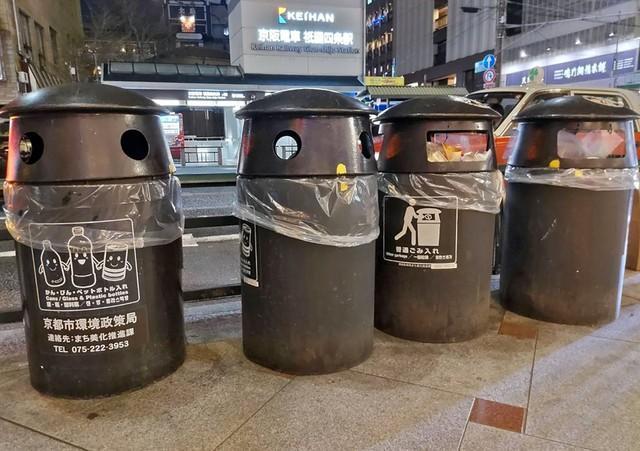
x,y
502,102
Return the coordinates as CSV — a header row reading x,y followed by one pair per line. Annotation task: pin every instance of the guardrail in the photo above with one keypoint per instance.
x,y
209,155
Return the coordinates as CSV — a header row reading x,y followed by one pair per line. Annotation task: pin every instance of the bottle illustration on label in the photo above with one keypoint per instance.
x,y
51,266
83,273
115,263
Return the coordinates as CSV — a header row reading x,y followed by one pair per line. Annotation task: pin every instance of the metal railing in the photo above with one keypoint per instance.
x,y
205,155
286,152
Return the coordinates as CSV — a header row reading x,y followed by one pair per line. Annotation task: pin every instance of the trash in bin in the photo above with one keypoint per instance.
x,y
571,177
97,220
437,219
307,201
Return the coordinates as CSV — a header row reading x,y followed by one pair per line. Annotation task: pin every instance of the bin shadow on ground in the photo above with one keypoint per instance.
x,y
563,386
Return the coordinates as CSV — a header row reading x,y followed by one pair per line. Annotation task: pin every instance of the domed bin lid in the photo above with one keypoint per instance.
x,y
576,108
575,132
437,134
81,97
306,102
438,108
84,132
306,132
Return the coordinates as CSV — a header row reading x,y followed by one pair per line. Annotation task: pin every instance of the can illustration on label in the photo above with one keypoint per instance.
x,y
115,262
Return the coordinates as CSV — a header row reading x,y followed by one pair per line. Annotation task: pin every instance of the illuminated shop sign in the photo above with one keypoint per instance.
x,y
214,95
190,16
585,69
285,16
305,39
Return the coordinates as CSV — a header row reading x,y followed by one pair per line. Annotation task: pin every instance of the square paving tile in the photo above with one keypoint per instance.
x,y
478,437
350,410
13,350
631,285
14,437
497,415
494,367
626,327
585,391
197,407
518,330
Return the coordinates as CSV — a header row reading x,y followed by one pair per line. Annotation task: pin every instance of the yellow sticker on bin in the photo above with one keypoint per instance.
x,y
341,169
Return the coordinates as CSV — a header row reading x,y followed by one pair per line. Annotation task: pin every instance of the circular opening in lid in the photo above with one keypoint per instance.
x,y
31,147
287,145
134,144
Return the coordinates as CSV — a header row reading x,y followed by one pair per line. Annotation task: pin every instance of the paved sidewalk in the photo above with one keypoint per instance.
x,y
523,385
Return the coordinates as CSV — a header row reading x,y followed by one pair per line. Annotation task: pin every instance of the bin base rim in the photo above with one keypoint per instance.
x,y
169,370
299,372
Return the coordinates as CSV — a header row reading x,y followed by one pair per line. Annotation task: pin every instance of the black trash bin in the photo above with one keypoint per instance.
x,y
439,194
97,220
571,176
307,201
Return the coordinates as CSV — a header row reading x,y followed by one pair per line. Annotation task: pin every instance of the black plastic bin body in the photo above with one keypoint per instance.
x,y
307,308
432,300
564,246
97,220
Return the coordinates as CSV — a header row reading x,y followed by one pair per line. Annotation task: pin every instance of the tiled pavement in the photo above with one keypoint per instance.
x,y
523,385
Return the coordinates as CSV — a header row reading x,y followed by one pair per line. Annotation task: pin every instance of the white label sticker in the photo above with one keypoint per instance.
x,y
88,274
418,234
249,253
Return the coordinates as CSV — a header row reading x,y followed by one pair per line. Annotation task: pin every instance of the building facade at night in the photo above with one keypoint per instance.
x,y
586,43
38,45
380,47
274,45
435,43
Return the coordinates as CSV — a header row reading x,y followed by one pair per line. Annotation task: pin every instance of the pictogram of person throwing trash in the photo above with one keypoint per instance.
x,y
427,219
407,222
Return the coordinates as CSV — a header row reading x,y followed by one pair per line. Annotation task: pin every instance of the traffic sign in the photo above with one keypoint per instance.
x,y
478,67
489,76
489,61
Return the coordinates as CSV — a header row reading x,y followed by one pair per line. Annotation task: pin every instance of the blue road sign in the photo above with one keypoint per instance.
x,y
489,61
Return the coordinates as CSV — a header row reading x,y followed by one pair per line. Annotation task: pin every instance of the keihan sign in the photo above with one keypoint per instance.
x,y
337,41
297,37
285,16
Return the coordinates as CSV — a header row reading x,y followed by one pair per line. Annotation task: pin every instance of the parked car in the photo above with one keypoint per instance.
x,y
509,101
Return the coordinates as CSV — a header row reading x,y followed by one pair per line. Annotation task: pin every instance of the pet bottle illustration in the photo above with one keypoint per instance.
x,y
51,266
115,263
83,273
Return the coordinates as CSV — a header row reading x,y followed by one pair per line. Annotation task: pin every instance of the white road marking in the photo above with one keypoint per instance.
x,y
8,254
217,238
188,240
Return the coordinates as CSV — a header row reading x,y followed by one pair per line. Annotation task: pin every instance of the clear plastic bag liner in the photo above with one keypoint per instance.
x,y
591,179
480,191
332,211
148,212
